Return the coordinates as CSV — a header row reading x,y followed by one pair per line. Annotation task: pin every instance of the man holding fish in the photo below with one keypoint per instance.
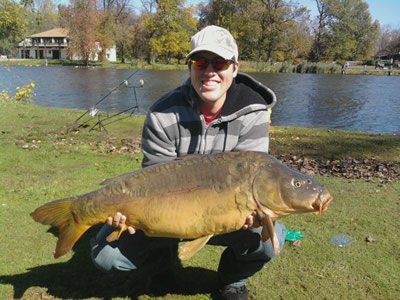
x,y
216,110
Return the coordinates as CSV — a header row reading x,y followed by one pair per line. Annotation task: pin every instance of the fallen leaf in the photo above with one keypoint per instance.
x,y
370,240
297,243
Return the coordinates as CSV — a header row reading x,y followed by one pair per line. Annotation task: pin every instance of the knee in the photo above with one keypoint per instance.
x,y
107,259
102,260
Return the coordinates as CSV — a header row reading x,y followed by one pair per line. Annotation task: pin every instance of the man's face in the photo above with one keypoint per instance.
x,y
211,84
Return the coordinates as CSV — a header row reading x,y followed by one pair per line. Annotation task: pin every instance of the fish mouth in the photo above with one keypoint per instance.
x,y
321,204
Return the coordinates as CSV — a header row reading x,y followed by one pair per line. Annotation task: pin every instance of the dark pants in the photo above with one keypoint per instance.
x,y
245,254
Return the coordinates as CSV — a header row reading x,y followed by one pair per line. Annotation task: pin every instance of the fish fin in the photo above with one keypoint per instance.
x,y
189,249
113,236
267,232
59,214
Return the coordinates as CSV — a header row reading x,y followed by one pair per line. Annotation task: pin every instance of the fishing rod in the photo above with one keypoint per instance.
x,y
100,122
92,111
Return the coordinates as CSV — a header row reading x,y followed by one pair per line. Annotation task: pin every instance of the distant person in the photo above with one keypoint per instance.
x,y
216,110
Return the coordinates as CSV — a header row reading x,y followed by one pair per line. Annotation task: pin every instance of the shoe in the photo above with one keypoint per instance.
x,y
230,292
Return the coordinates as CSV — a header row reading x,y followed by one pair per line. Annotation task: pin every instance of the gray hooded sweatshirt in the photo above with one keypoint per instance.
x,y
175,127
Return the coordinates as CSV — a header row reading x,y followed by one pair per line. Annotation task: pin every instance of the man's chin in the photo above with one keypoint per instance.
x,y
210,97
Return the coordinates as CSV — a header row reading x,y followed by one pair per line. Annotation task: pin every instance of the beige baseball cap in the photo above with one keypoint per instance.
x,y
215,39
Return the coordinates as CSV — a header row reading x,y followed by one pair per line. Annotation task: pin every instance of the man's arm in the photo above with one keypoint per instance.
x,y
157,147
254,135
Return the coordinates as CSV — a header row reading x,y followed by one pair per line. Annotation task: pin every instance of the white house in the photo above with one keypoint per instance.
x,y
52,44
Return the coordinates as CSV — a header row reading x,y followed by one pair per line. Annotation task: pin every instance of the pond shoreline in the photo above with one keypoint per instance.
x,y
250,67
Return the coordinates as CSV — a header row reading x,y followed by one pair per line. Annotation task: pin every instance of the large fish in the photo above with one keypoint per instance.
x,y
194,197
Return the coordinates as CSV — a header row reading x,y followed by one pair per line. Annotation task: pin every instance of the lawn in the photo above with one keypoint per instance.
x,y
46,156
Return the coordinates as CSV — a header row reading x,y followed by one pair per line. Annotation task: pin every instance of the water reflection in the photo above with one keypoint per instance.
x,y
366,103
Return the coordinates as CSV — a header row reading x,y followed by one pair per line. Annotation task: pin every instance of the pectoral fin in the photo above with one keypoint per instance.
x,y
113,236
189,249
268,231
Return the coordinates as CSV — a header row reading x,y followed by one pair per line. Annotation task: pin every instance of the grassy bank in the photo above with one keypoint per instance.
x,y
246,66
43,157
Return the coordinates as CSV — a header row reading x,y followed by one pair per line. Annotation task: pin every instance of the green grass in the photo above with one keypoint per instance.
x,y
43,158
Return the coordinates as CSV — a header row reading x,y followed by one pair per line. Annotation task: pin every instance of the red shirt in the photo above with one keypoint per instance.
x,y
209,119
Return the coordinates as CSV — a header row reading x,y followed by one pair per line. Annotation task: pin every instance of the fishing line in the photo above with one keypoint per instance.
x,y
93,108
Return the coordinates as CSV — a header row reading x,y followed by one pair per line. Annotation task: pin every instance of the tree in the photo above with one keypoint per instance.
x,y
115,25
170,28
219,12
345,31
239,17
298,41
320,32
389,42
13,25
82,20
265,30
105,32
43,16
278,17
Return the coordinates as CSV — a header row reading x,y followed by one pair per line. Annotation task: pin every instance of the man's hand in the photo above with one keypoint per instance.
x,y
252,221
119,222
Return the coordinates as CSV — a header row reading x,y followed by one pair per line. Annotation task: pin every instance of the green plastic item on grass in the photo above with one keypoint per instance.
x,y
293,235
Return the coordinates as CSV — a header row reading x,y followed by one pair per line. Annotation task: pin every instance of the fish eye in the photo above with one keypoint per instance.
x,y
296,183
309,181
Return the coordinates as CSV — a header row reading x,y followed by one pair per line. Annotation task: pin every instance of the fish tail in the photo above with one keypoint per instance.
x,y
59,214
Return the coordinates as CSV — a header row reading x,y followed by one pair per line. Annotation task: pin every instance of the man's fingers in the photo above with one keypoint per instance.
x,y
117,219
251,221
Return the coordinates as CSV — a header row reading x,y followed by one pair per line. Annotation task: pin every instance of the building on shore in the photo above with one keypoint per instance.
x,y
52,44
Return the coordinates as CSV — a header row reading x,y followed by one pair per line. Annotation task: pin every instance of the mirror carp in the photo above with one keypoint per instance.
x,y
194,197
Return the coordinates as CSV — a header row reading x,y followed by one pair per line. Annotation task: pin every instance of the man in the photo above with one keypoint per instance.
x,y
216,110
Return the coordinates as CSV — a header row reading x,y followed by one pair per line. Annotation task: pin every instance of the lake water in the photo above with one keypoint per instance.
x,y
352,102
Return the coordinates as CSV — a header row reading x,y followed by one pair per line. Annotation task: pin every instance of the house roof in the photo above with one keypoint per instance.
x,y
55,32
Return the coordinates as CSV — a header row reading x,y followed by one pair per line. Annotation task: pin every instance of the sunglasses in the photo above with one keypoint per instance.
x,y
219,64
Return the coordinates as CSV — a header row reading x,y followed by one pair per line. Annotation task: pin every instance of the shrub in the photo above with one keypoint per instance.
x,y
24,94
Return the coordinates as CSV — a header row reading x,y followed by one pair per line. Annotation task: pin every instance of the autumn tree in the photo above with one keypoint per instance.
x,y
42,16
265,30
170,28
298,42
219,12
105,32
239,17
116,25
82,20
13,25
